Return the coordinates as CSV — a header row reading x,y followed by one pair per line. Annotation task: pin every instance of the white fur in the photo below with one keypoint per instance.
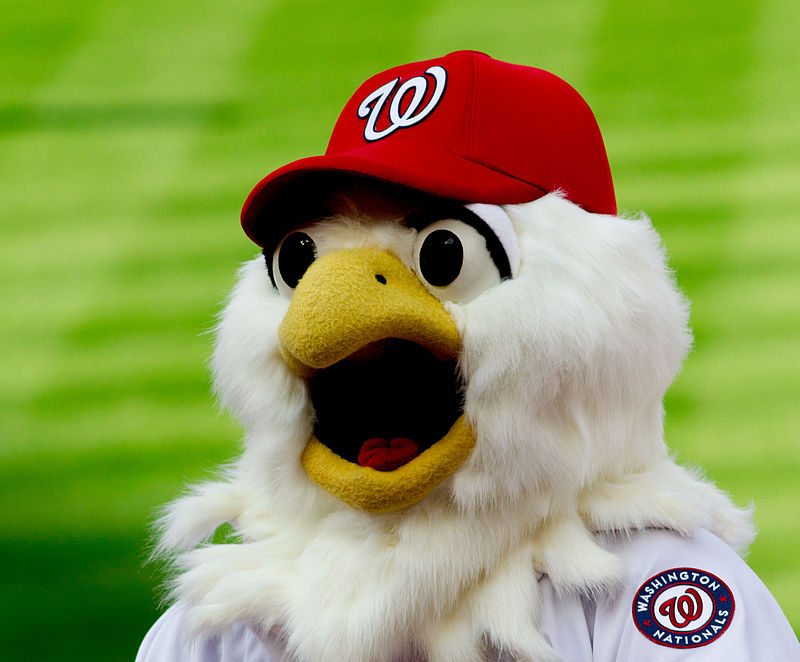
x,y
565,365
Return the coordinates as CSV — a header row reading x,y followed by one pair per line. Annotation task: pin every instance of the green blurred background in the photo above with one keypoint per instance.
x,y
130,133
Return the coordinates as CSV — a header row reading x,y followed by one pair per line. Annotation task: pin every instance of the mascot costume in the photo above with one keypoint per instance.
x,y
449,364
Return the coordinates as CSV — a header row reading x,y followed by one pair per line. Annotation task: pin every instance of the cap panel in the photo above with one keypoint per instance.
x,y
534,126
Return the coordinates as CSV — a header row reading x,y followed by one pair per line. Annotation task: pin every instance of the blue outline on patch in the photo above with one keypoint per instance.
x,y
713,621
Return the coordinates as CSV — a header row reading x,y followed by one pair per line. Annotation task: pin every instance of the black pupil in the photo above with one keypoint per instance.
x,y
441,257
296,254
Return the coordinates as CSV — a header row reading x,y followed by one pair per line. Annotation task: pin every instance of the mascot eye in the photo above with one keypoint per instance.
x,y
441,257
453,260
291,260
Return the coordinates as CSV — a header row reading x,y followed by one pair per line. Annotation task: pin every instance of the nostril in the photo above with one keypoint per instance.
x,y
380,278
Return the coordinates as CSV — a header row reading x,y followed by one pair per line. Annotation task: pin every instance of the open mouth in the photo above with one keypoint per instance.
x,y
385,404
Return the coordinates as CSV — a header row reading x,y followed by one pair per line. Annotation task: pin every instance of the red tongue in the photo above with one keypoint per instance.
x,y
385,455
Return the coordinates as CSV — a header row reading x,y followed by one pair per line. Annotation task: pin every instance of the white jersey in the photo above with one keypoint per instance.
x,y
682,598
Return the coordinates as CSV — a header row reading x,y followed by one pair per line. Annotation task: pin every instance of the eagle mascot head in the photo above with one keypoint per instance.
x,y
449,363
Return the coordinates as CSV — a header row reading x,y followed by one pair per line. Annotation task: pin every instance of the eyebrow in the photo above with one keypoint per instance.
x,y
268,260
421,219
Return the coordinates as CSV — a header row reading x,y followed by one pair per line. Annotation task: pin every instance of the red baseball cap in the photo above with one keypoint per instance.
x,y
465,127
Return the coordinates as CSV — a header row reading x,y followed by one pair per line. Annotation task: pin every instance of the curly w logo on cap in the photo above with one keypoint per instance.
x,y
400,117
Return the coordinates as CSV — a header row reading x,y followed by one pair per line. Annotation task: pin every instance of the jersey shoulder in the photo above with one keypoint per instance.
x,y
688,595
168,641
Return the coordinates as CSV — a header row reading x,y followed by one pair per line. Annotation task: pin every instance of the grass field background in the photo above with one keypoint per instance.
x,y
130,134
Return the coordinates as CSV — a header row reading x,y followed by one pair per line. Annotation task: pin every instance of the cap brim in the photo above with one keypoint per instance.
x,y
422,167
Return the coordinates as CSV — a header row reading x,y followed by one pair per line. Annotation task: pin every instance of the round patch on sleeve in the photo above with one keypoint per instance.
x,y
683,608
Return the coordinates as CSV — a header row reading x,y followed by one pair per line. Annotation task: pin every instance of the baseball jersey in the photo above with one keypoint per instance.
x,y
681,598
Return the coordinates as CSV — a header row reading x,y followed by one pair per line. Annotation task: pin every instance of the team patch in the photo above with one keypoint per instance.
x,y
683,608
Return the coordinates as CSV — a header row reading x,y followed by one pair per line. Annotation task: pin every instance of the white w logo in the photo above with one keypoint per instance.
x,y
372,106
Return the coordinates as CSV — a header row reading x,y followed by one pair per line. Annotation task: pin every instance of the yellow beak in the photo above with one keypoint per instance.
x,y
345,301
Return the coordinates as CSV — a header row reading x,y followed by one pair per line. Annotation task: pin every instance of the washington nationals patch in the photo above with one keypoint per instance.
x,y
683,608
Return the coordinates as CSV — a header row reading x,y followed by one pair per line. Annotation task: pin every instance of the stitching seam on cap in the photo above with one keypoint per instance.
x,y
471,115
497,170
